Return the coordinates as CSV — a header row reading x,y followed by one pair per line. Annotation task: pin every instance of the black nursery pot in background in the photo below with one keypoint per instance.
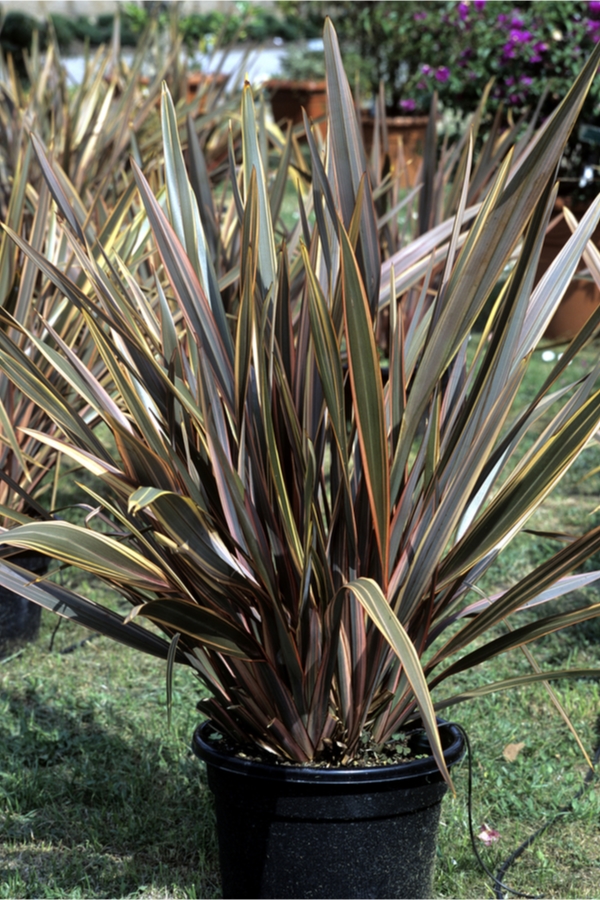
x,y
20,618
298,831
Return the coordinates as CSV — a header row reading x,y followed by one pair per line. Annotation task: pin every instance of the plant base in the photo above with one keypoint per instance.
x,y
294,831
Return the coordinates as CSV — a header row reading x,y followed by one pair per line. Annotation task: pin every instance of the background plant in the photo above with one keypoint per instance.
x,y
91,129
246,22
531,49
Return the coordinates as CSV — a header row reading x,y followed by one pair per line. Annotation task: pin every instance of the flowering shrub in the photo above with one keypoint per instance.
x,y
456,47
391,42
526,47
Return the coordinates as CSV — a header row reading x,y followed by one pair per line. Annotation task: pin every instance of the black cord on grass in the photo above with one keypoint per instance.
x,y
79,644
589,777
59,622
54,632
71,647
499,885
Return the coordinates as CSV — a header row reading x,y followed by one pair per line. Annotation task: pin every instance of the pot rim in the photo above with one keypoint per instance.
x,y
291,84
402,774
401,121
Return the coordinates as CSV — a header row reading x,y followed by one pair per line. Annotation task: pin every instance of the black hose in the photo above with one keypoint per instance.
x,y
79,644
499,885
590,775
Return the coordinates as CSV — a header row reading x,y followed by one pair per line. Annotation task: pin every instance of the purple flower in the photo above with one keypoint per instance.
x,y
526,80
594,6
502,18
442,73
463,11
426,70
516,21
421,85
540,47
520,37
508,51
509,81
479,4
419,16
535,58
409,105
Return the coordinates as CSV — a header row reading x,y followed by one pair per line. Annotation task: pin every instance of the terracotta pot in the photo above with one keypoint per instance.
x,y
288,98
412,130
582,296
204,83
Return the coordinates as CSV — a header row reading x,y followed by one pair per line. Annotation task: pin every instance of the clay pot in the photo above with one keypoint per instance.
x,y
288,98
412,130
201,84
582,296
204,84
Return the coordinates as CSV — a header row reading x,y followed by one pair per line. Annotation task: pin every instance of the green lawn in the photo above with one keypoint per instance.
x,y
99,799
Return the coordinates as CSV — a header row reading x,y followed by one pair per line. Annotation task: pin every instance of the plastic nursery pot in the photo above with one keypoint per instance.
x,y
20,618
298,831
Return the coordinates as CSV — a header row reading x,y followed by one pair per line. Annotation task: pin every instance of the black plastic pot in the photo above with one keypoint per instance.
x,y
20,618
297,831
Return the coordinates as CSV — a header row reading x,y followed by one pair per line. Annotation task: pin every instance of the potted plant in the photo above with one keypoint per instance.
x,y
29,466
531,52
25,465
309,552
25,462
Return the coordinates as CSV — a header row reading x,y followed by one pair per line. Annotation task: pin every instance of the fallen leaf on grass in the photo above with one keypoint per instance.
x,y
511,751
488,835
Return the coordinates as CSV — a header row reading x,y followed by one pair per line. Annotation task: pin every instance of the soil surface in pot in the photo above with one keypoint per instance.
x,y
404,747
